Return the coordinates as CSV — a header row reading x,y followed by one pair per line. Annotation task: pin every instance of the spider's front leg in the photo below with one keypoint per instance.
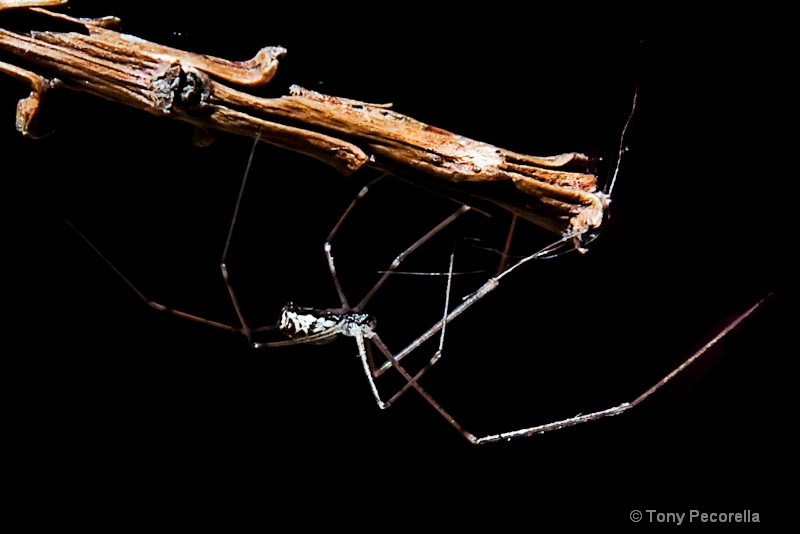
x,y
395,264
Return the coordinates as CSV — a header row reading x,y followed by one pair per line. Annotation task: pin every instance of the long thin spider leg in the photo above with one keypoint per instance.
x,y
222,262
438,354
482,291
625,406
507,247
321,337
418,243
572,421
414,379
609,189
413,383
470,300
395,263
153,304
329,255
447,293
370,361
362,355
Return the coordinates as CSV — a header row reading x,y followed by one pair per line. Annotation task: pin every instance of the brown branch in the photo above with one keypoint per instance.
x,y
8,4
345,134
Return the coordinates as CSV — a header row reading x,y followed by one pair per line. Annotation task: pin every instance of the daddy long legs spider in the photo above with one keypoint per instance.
x,y
312,325
569,240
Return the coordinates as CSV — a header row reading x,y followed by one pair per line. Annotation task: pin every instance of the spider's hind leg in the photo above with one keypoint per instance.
x,y
243,327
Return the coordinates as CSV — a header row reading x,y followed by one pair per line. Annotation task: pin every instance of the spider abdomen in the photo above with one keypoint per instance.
x,y
299,322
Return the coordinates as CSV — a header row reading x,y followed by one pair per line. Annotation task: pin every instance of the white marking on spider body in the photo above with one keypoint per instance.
x,y
299,322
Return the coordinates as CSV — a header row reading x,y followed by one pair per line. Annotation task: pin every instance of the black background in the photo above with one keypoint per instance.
x,y
108,392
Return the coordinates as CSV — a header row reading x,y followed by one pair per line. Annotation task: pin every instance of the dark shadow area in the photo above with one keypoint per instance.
x,y
701,228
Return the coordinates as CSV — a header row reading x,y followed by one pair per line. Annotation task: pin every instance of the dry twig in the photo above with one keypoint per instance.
x,y
551,191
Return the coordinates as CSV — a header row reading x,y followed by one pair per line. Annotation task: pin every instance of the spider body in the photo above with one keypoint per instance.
x,y
314,325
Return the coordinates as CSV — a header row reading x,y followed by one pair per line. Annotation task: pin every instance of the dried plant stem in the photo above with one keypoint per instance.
x,y
346,134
